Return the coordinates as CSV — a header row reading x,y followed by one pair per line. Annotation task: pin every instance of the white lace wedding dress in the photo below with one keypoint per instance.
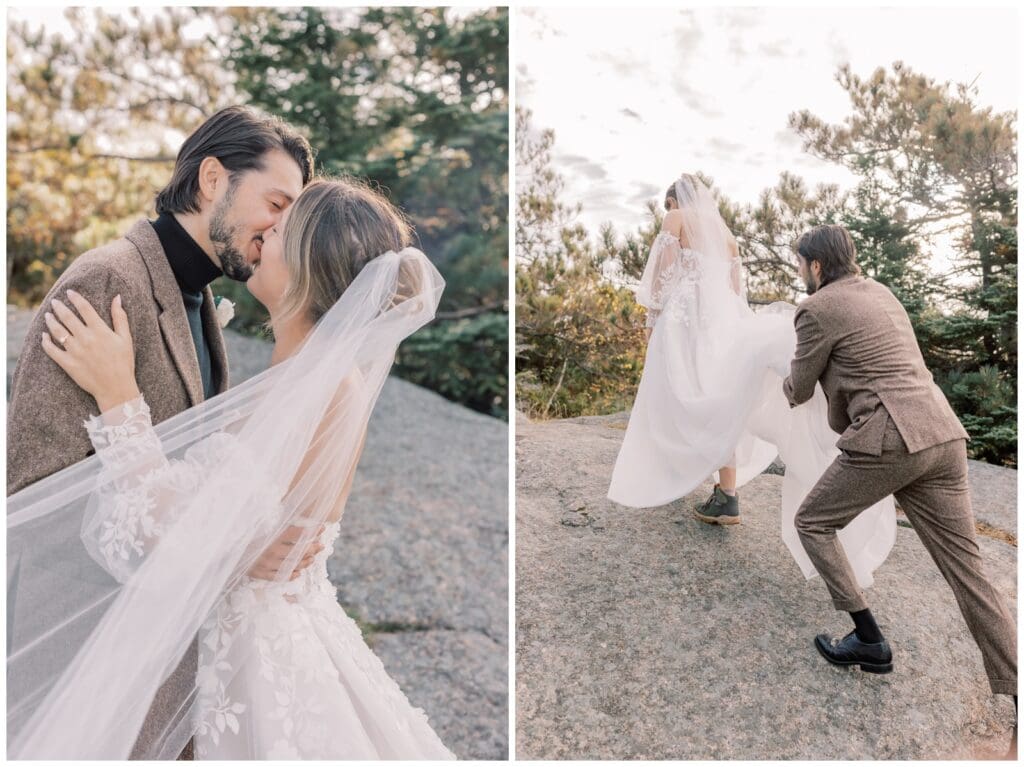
x,y
711,396
283,672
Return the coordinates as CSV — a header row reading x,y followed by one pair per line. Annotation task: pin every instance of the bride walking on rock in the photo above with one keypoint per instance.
x,y
711,397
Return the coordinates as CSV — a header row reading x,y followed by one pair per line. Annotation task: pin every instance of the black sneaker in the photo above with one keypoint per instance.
x,y
719,509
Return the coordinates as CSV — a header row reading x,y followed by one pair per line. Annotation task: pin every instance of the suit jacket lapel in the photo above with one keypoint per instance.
x,y
173,322
215,340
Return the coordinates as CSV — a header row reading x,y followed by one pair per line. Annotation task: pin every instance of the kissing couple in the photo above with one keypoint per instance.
x,y
168,537
837,387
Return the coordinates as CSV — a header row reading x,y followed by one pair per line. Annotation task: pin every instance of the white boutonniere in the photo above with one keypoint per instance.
x,y
225,311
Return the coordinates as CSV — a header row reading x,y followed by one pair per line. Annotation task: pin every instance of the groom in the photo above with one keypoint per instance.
x,y
232,180
899,436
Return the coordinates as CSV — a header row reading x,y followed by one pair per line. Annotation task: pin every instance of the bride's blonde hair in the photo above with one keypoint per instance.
x,y
335,227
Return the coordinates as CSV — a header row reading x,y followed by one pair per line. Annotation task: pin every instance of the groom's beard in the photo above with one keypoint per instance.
x,y
223,236
812,284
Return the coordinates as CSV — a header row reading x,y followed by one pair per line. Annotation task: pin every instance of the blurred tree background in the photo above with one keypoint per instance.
x,y
930,163
413,99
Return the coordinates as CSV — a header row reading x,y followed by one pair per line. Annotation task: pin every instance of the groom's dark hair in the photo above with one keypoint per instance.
x,y
239,137
832,247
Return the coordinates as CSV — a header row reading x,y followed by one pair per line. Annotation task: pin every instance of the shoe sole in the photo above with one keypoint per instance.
x,y
717,520
870,668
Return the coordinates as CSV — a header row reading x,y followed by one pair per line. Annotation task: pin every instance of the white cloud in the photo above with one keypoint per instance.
x,y
715,88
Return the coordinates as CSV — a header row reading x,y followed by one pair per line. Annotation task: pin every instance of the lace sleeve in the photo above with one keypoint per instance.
x,y
667,265
736,273
138,490
124,434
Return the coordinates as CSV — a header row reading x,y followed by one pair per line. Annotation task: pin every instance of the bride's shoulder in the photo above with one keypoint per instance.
x,y
673,222
672,231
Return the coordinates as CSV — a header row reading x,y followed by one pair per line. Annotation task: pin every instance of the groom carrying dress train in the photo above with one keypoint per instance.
x,y
899,436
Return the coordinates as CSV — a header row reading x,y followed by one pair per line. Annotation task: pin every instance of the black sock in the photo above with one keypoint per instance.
x,y
866,628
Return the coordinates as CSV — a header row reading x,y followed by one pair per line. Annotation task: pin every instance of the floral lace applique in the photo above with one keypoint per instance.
x,y
288,624
675,286
131,419
683,300
139,490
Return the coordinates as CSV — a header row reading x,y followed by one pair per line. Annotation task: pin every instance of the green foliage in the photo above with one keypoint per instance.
x,y
250,316
579,341
448,356
987,406
765,232
78,171
886,249
416,100
626,257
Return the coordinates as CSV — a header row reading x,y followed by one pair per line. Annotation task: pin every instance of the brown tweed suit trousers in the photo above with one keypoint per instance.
x,y
46,410
899,436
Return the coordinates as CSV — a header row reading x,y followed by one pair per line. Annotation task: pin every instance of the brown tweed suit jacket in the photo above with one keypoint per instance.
x,y
854,336
44,419
45,430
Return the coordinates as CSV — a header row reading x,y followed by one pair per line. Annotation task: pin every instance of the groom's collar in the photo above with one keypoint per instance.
x,y
840,280
174,326
192,268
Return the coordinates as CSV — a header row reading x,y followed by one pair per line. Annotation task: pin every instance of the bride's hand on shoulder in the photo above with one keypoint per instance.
x,y
98,358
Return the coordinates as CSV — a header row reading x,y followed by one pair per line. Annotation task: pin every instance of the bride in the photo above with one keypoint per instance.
x,y
710,397
117,563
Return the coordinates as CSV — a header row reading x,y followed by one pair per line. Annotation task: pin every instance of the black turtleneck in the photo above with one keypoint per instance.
x,y
193,270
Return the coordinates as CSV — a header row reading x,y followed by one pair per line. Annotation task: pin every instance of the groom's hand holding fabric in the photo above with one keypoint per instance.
x,y
813,348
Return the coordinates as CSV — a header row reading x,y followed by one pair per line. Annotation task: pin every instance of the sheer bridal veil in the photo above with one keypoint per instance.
x,y
105,598
704,232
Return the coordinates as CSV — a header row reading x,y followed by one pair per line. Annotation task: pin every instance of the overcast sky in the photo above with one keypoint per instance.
x,y
637,96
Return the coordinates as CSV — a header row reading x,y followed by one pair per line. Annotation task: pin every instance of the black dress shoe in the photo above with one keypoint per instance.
x,y
875,658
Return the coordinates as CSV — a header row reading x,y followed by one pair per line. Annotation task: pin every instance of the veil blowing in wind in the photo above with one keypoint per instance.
x,y
116,563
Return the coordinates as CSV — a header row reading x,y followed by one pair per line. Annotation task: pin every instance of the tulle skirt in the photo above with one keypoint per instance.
x,y
285,674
